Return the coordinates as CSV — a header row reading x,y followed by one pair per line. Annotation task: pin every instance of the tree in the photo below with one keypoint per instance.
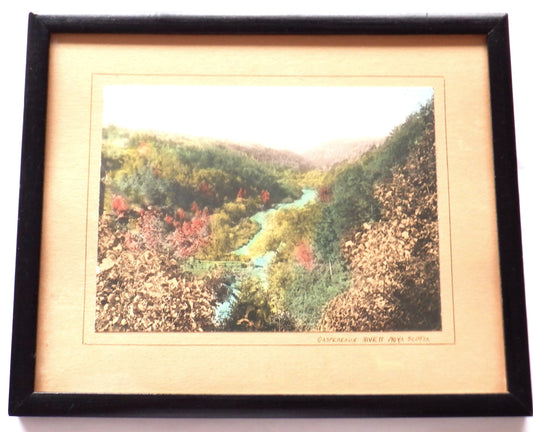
x,y
354,201
120,205
327,239
241,195
304,255
192,236
265,196
325,194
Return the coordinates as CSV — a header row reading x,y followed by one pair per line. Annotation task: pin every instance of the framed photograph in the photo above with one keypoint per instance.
x,y
269,216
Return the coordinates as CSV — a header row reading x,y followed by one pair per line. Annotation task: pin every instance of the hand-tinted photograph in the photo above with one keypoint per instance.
x,y
267,209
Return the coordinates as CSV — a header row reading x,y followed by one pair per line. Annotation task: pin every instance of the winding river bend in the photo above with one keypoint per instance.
x,y
261,262
261,218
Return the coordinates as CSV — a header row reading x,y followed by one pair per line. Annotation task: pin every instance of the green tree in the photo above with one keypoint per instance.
x,y
327,239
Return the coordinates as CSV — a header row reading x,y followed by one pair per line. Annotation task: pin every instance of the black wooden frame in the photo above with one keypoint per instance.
x,y
23,400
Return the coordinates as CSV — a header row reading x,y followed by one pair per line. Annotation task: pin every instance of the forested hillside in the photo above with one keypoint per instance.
x,y
204,235
395,260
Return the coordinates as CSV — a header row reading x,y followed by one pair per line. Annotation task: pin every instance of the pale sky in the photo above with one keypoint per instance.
x,y
292,118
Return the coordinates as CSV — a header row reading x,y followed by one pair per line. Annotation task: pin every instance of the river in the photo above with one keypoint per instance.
x,y
261,262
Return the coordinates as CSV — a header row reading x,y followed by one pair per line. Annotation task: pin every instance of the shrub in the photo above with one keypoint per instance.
x,y
310,291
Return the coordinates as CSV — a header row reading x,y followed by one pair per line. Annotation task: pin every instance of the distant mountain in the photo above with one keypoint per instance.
x,y
322,156
327,154
257,152
272,156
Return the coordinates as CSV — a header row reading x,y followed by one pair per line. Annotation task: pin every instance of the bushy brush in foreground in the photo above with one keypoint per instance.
x,y
144,289
395,261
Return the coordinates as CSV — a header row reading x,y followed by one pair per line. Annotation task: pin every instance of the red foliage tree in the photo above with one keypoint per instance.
x,y
188,237
191,236
241,194
304,255
265,196
169,219
120,205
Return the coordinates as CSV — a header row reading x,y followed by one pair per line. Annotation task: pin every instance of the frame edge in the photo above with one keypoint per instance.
x,y
24,326
22,398
508,211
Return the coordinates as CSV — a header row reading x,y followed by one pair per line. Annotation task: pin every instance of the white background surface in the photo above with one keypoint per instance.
x,y
12,70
